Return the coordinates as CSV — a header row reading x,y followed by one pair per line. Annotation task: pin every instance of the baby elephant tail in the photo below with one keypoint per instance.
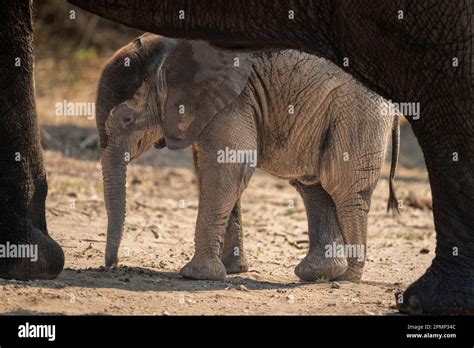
x,y
392,198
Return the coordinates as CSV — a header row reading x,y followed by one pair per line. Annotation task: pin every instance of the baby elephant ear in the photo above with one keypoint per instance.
x,y
200,81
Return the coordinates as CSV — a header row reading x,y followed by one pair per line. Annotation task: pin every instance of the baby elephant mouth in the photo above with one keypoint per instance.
x,y
160,143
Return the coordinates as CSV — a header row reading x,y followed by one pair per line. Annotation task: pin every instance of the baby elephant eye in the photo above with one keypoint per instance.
x,y
127,120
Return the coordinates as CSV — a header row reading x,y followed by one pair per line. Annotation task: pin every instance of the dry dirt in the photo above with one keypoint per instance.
x,y
159,240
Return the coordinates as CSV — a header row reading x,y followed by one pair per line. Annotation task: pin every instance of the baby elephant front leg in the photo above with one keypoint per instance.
x,y
233,256
220,187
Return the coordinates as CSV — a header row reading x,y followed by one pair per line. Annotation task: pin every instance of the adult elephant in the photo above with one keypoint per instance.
x,y
406,51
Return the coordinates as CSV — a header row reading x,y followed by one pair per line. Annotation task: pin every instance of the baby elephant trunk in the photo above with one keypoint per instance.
x,y
114,169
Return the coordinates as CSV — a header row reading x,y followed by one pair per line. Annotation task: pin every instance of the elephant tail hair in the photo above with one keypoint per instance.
x,y
392,198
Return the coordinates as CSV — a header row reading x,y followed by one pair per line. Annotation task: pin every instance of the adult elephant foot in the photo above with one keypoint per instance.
x,y
27,252
46,260
441,290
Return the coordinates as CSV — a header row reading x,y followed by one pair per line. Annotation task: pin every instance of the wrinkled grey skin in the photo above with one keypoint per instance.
x,y
331,148
23,183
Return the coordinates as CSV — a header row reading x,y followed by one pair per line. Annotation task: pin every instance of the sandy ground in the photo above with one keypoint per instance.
x,y
159,240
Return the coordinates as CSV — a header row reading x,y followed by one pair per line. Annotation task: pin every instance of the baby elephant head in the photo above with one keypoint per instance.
x,y
158,91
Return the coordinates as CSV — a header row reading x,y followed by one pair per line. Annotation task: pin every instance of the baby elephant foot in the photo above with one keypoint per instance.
x,y
352,274
204,269
316,267
235,264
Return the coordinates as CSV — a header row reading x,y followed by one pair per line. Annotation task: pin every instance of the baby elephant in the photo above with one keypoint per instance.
x,y
303,118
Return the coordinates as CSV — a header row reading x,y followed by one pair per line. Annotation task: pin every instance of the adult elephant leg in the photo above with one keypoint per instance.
x,y
324,233
23,185
447,287
233,256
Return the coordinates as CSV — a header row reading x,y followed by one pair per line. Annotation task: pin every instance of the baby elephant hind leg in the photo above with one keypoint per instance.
x,y
233,256
352,217
351,190
324,233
